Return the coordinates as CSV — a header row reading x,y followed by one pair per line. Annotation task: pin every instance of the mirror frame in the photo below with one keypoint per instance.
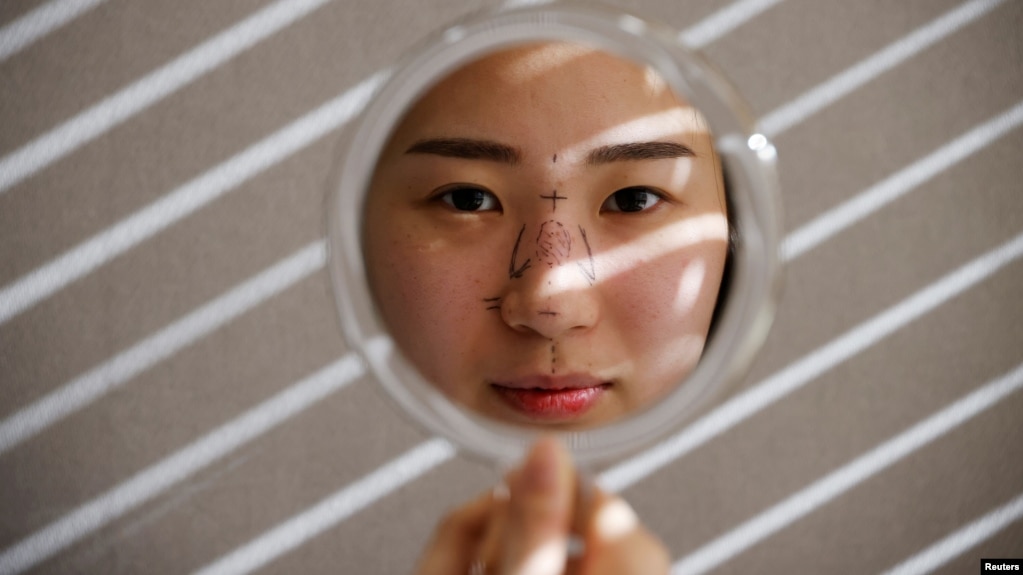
x,y
747,157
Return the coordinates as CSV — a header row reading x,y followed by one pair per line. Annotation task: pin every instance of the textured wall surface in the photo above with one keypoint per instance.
x,y
175,394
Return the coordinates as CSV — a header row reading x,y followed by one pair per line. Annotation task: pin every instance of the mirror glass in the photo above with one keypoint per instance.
x,y
537,227
546,233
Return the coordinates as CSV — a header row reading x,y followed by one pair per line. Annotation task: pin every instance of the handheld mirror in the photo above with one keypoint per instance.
x,y
554,218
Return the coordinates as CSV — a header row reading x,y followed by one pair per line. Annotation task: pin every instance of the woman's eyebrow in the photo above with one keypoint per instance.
x,y
467,148
638,151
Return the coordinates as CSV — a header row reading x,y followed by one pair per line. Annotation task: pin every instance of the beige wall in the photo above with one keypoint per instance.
x,y
143,426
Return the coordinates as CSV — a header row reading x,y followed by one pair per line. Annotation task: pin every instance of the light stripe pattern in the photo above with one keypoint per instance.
x,y
961,540
148,90
901,312
39,22
848,476
178,466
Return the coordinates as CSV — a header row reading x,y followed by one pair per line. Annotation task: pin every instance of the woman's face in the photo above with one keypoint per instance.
x,y
546,234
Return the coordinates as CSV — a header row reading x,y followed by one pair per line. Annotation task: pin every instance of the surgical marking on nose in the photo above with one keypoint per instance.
x,y
554,160
553,247
554,197
590,271
495,301
514,272
553,243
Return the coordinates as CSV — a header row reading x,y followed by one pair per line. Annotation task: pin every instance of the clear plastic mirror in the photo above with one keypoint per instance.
x,y
554,218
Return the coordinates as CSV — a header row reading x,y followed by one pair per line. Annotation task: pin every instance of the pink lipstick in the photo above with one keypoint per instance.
x,y
551,398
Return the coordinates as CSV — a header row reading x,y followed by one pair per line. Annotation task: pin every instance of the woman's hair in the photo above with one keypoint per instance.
x,y
733,243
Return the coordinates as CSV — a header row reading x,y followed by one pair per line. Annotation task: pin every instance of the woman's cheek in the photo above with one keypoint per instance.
x,y
433,303
661,310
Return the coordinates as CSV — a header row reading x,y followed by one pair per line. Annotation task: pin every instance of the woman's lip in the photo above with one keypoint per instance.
x,y
550,403
551,382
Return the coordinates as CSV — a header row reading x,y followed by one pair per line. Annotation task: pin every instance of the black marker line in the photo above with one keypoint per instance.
x,y
556,247
591,274
554,197
555,159
512,272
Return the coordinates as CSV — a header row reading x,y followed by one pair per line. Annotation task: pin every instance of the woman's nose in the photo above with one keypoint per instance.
x,y
550,290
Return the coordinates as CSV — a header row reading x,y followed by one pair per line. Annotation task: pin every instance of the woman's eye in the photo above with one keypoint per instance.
x,y
470,199
634,199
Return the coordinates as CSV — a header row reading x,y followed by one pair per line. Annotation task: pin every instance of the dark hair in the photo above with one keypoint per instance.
x,y
733,243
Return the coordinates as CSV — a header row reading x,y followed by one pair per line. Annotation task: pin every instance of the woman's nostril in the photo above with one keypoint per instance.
x,y
528,308
548,292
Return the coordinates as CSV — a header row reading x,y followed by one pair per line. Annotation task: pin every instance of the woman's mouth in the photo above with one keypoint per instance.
x,y
551,398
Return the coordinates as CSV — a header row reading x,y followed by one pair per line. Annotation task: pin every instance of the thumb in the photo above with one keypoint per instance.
x,y
540,512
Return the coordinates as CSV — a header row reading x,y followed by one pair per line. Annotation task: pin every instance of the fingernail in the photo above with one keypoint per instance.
x,y
615,519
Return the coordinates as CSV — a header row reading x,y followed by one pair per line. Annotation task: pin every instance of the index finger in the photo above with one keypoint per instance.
x,y
540,512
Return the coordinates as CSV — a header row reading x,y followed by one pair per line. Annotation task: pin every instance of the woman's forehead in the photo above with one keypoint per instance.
x,y
527,63
553,96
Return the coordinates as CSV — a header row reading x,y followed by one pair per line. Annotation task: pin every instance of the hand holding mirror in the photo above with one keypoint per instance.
x,y
554,219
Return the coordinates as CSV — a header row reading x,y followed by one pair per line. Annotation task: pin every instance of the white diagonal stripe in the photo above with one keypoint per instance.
x,y
42,20
177,467
866,70
151,88
963,539
724,21
879,195
179,203
848,476
118,370
330,511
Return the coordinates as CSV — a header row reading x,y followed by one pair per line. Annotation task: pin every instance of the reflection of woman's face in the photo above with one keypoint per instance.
x,y
546,234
